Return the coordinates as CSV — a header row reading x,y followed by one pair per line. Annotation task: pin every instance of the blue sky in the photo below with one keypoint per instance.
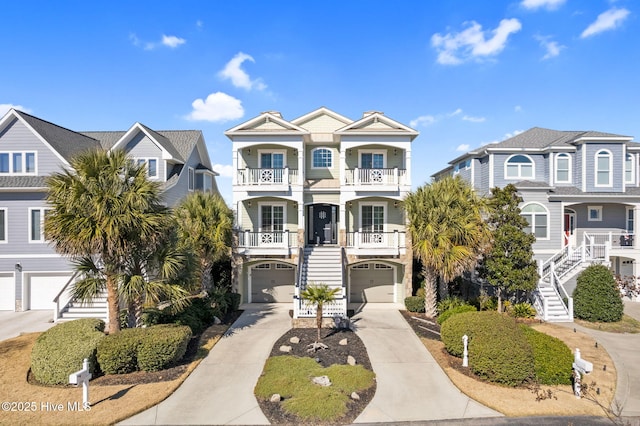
x,y
462,73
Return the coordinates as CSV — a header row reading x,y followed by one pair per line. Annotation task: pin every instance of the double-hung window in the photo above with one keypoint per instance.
x,y
36,224
18,163
563,168
603,168
151,165
538,220
519,167
629,169
192,179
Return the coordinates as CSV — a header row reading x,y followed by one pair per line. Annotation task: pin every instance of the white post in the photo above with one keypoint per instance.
x,y
570,307
286,238
465,357
85,384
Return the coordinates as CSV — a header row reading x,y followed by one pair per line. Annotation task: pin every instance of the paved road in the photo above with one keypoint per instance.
x,y
12,324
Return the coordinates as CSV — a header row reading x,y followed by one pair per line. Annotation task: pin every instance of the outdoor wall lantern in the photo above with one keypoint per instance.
x,y
249,203
19,267
248,151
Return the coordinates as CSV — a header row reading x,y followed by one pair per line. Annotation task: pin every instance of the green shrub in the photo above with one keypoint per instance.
x,y
522,310
450,303
414,303
234,301
596,297
61,350
454,311
553,359
498,349
197,316
117,352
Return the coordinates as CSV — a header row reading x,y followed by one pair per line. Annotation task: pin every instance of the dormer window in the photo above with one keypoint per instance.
x,y
563,168
151,165
519,167
18,163
629,169
322,158
603,168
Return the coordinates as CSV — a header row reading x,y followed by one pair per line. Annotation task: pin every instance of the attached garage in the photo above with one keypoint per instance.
x,y
41,288
272,282
371,283
7,292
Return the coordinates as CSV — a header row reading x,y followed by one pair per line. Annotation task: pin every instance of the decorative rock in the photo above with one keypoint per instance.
x,y
343,342
216,320
355,396
276,397
322,381
351,360
295,340
285,348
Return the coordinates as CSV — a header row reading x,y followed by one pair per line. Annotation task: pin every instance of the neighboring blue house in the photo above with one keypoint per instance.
x,y
581,195
32,274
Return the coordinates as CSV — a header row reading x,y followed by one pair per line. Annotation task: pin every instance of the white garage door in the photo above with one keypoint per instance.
x,y
7,292
42,288
371,283
272,282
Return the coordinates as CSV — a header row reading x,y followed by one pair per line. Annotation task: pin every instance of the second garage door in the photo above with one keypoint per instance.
x,y
371,283
8,292
272,282
42,288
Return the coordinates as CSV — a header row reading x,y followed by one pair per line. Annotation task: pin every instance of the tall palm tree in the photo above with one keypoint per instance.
x,y
102,207
318,295
448,232
205,224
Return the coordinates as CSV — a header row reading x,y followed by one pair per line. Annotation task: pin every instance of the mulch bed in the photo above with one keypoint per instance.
x,y
336,354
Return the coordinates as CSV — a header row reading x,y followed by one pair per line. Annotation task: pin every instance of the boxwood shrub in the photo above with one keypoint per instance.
x,y
552,358
454,311
143,349
498,348
61,350
596,297
414,303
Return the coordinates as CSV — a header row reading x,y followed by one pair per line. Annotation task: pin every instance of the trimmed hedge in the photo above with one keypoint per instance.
x,y
498,348
61,350
143,349
553,359
596,297
414,303
454,311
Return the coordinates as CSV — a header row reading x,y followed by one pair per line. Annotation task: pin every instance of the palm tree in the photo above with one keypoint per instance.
x,y
102,207
205,225
318,295
448,232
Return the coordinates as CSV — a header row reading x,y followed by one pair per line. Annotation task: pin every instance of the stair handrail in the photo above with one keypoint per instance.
x,y
296,293
56,300
558,287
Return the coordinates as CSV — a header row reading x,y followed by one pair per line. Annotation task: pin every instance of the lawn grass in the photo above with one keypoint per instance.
x,y
291,377
626,325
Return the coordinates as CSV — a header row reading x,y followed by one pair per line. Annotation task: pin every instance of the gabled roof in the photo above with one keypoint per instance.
x,y
267,122
539,138
300,121
169,152
63,142
376,123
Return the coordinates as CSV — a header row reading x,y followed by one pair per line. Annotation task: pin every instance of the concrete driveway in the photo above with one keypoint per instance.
x,y
12,324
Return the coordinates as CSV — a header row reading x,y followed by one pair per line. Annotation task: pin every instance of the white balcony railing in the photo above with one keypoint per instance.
x,y
284,176
614,239
375,177
279,239
396,239
335,308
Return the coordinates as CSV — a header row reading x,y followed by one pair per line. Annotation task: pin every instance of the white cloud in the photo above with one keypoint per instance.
x,y
454,113
423,120
552,47
199,24
537,4
473,119
507,136
606,21
172,41
225,170
463,147
218,107
517,108
239,78
473,42
427,120
4,108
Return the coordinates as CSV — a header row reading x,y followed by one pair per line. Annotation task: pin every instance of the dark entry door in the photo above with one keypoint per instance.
x,y
322,226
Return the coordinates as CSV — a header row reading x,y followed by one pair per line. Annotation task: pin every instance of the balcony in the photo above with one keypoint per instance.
x,y
267,179
376,243
617,241
375,179
267,243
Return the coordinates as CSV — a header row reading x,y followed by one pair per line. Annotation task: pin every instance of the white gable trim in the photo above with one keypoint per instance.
x,y
357,126
137,127
319,112
246,127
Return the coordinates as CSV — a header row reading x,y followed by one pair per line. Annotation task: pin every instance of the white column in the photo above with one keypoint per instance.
x,y
234,162
343,167
301,166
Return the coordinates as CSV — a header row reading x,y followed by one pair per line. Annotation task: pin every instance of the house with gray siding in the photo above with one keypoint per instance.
x,y
32,274
317,201
581,195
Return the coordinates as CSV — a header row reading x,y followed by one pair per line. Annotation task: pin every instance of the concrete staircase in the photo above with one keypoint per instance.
x,y
96,308
322,265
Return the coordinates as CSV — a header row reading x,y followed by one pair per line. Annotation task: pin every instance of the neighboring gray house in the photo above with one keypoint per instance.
x,y
581,194
32,274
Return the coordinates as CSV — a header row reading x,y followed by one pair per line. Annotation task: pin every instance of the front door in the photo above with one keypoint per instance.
x,y
569,237
322,224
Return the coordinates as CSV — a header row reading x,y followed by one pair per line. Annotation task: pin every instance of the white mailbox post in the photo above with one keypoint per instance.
x,y
580,366
82,377
465,354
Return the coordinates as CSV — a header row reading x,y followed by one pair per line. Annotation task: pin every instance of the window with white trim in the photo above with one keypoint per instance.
x,y
321,158
604,168
3,225
272,159
519,166
263,266
594,213
630,217
382,266
283,266
372,160
36,224
629,169
18,163
361,266
563,168
192,179
272,217
538,220
151,165
372,218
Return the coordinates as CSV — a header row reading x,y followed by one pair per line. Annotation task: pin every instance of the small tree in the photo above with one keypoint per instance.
x,y
596,297
318,295
509,265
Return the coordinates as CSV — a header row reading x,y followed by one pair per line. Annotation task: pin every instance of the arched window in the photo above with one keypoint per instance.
x,y
322,158
519,167
603,168
563,168
538,219
629,169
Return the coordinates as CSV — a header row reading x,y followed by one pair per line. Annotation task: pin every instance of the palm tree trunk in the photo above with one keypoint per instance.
x,y
443,289
430,292
113,304
319,320
206,275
